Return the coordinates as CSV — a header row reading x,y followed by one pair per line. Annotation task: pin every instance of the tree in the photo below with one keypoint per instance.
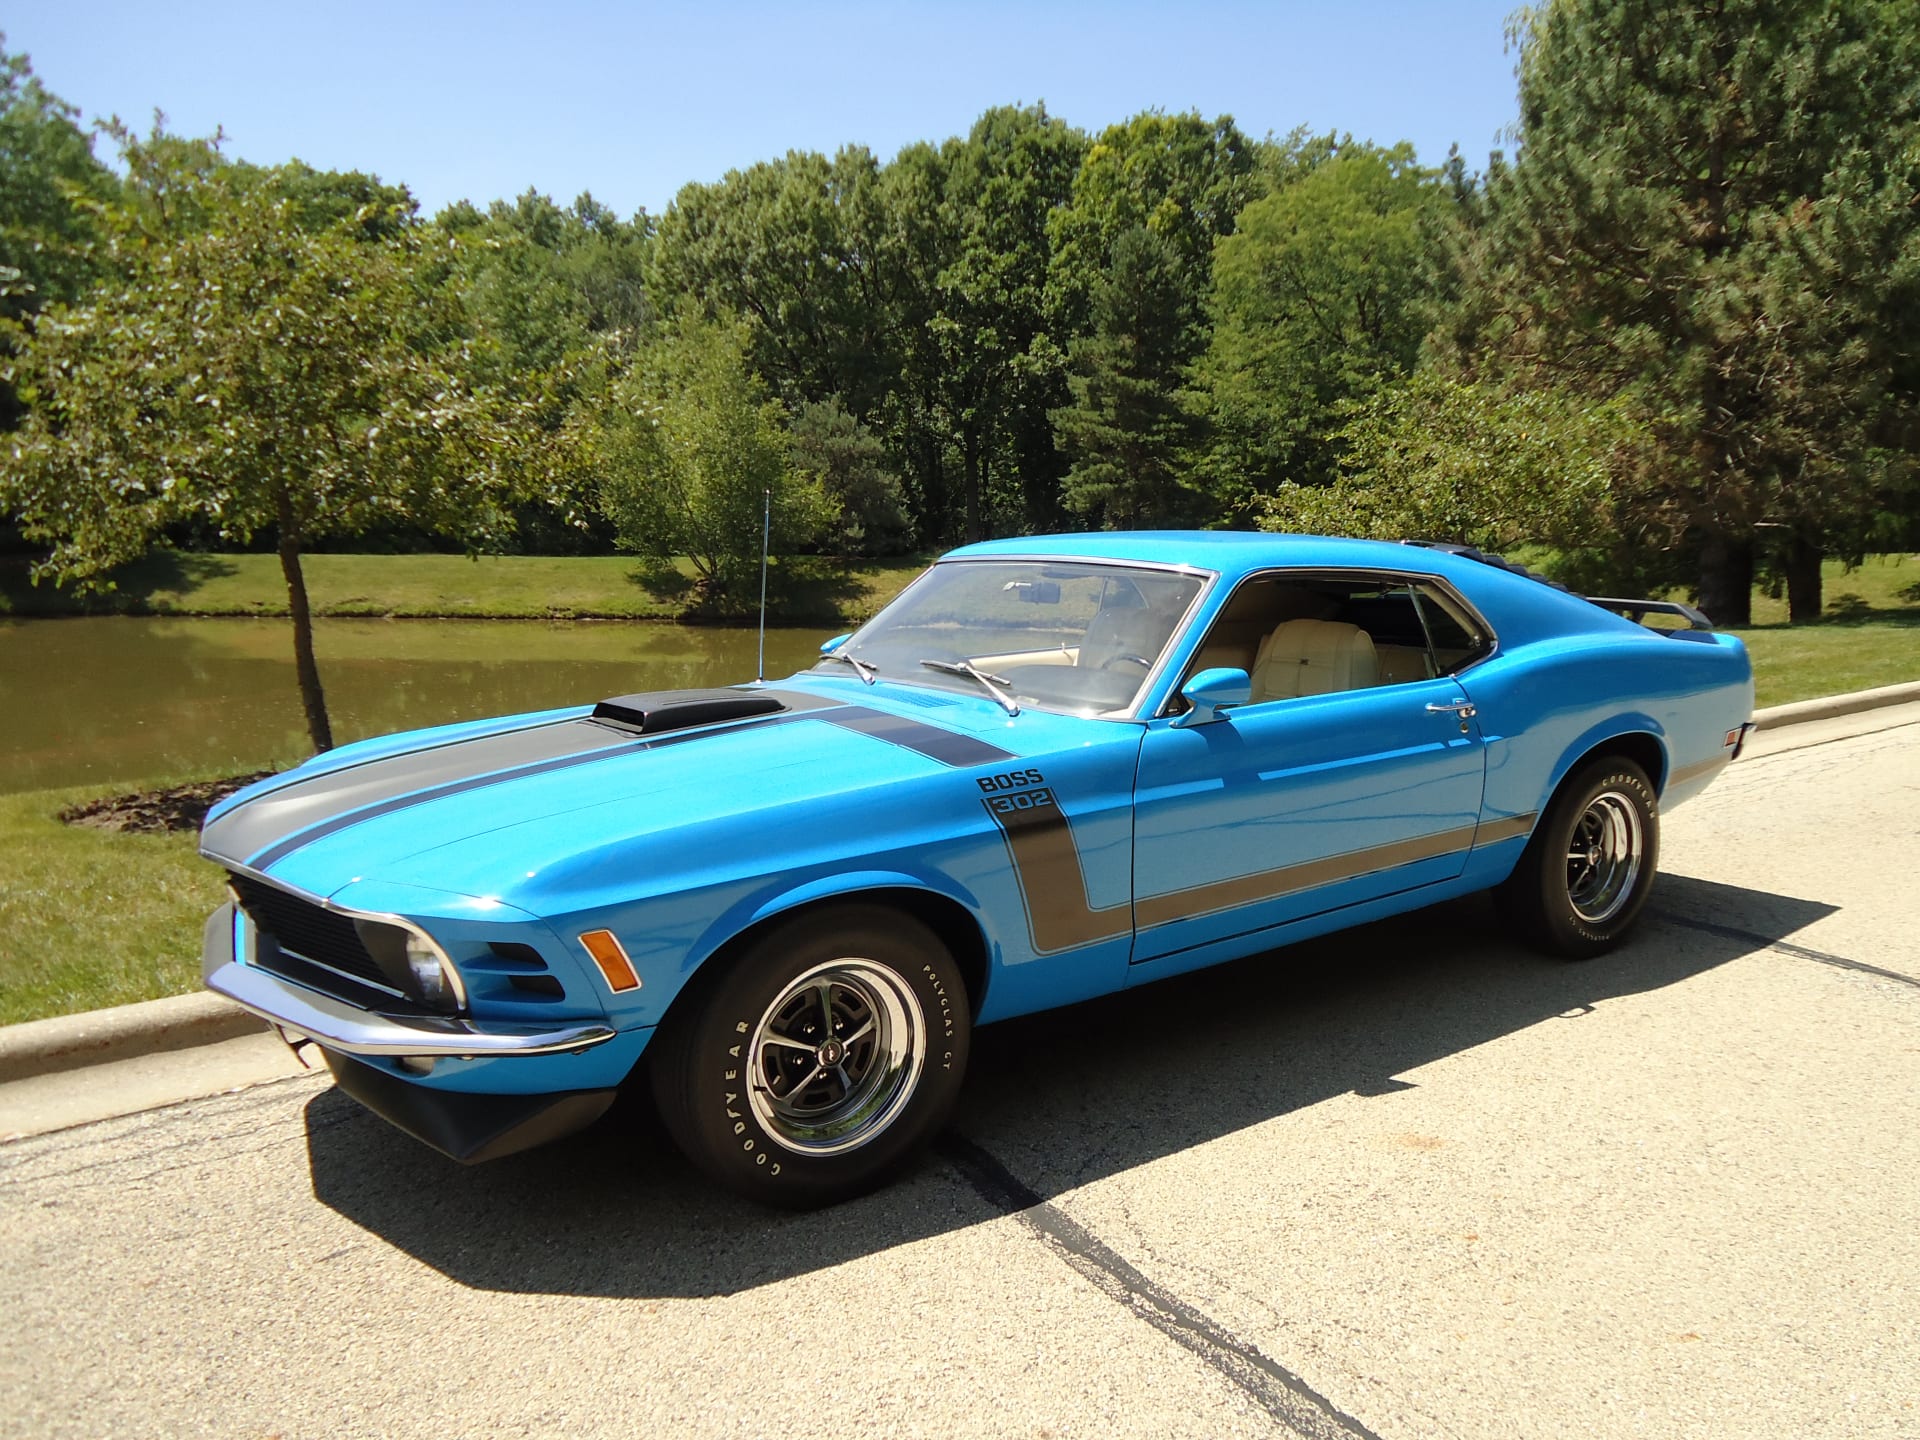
x,y
1435,458
1316,303
849,464
48,174
254,376
1128,430
987,358
1709,216
690,452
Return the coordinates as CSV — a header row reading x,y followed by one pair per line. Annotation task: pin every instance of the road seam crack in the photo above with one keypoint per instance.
x,y
1276,1389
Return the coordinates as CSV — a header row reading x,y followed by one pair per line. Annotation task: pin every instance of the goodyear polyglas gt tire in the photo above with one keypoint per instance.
x,y
820,1060
1586,872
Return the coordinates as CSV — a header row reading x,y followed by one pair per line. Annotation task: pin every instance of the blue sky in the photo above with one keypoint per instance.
x,y
632,101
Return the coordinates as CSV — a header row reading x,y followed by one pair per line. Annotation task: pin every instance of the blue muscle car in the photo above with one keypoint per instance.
x,y
1051,768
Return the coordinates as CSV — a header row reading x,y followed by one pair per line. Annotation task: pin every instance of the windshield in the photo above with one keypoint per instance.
x,y
1061,635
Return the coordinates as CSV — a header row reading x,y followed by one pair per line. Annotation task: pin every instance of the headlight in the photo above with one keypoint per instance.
x,y
431,983
412,964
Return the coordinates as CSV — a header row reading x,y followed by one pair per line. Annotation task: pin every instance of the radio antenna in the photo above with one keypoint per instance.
x,y
766,538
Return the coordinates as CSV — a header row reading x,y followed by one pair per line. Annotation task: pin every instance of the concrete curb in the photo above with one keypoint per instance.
x,y
1774,716
69,1042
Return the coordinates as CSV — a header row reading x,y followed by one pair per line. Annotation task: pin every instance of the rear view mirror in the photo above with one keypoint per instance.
x,y
1034,592
1210,692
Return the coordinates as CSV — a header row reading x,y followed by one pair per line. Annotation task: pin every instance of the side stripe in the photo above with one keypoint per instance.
x,y
1291,879
1053,884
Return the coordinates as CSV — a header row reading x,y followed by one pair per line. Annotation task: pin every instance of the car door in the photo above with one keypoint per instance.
x,y
1284,808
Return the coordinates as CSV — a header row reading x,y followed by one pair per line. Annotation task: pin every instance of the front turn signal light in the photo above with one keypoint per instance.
x,y
608,953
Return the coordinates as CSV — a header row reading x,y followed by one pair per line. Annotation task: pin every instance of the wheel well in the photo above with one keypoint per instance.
x,y
948,919
1639,747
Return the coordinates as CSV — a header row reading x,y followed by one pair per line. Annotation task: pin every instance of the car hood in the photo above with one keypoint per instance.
x,y
503,810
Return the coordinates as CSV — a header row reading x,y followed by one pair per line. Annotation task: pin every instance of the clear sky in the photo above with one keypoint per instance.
x,y
631,101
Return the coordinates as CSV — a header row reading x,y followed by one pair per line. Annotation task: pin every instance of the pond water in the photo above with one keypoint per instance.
x,y
122,701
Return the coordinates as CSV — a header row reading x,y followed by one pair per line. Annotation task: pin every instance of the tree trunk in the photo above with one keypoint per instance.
x,y
1803,580
976,526
311,695
1726,580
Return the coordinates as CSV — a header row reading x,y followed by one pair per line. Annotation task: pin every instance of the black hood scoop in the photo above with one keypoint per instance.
x,y
657,711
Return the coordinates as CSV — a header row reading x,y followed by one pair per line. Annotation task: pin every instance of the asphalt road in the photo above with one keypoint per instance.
x,y
1407,1182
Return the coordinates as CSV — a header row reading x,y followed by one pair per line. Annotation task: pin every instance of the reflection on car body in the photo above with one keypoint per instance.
x,y
1052,768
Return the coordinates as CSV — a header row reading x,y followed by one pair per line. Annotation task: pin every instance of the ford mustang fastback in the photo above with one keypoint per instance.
x,y
1051,769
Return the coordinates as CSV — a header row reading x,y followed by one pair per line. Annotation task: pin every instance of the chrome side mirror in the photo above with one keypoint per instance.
x,y
1212,691
835,643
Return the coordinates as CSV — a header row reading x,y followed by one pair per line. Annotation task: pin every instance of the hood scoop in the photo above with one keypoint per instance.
x,y
657,711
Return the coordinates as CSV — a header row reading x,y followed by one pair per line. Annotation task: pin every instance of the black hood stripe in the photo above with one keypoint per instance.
x,y
268,829
949,747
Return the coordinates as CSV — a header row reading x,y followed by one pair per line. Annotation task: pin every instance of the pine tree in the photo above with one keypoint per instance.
x,y
1714,215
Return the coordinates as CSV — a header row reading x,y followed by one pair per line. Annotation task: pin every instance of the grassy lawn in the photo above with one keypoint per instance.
x,y
539,587
1870,635
91,918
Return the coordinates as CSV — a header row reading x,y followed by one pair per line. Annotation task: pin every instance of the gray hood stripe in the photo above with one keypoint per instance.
x,y
267,829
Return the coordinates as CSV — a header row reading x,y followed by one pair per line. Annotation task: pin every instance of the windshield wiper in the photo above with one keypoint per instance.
x,y
991,683
861,667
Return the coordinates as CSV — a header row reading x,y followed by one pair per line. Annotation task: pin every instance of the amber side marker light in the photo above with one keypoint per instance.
x,y
611,957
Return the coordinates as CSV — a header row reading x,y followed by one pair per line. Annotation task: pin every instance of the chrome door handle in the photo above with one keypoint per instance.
x,y
1463,708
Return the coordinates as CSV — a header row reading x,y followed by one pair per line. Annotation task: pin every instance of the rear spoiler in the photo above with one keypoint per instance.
x,y
1637,610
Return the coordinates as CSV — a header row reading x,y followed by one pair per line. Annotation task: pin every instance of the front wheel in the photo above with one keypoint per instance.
x,y
820,1060
1585,874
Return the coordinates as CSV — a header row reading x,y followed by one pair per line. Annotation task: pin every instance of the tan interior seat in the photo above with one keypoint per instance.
x,y
1313,657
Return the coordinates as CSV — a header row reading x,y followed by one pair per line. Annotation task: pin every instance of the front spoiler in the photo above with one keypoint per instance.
x,y
466,1127
339,1026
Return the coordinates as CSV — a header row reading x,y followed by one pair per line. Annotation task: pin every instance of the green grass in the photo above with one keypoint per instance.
x,y
1869,636
537,587
89,918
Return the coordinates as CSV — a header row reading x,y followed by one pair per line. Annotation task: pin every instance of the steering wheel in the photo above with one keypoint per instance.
x,y
1118,660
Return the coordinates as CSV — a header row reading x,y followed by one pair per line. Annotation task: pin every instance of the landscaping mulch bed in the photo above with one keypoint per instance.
x,y
156,812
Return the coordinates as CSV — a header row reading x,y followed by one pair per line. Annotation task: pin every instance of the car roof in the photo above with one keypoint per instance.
x,y
1230,552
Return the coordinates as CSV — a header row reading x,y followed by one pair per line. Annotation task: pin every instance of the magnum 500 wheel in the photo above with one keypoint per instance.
x,y
821,1060
1585,874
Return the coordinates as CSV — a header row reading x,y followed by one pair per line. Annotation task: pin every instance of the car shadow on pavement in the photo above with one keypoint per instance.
x,y
1055,1101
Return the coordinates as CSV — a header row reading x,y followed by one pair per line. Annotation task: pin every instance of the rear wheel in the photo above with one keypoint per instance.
x,y
820,1061
1585,874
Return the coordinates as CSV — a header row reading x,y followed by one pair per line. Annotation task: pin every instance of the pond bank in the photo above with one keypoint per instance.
x,y
807,591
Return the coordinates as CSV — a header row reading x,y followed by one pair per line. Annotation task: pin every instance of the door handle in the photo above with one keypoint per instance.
x,y
1463,708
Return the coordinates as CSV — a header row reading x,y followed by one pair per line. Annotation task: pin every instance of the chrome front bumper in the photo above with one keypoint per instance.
x,y
337,1025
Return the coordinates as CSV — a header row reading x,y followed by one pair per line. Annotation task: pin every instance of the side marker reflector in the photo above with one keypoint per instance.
x,y
611,957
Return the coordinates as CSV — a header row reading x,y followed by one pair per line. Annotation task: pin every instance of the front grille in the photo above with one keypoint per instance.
x,y
308,931
303,941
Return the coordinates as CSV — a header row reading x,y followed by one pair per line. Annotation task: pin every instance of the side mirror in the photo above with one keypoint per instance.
x,y
835,643
1210,692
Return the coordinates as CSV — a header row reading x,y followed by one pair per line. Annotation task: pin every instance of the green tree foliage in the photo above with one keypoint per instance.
x,y
1435,458
48,176
848,463
1317,302
794,247
1128,429
255,375
1714,214
689,453
1183,178
553,297
985,361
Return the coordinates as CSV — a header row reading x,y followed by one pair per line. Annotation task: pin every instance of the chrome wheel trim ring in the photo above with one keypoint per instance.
x,y
836,1057
1604,856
